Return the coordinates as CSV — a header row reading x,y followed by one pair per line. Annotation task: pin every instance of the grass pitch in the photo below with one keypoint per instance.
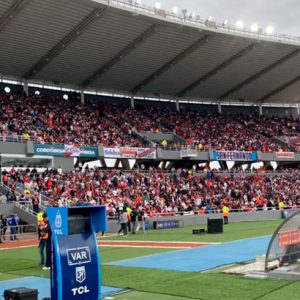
x,y
149,284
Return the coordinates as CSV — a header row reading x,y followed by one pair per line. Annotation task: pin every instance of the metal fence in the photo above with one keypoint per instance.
x,y
19,232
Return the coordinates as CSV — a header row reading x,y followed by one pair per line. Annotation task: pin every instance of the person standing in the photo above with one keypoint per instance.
x,y
128,210
225,211
4,227
35,203
133,220
1,229
12,227
40,222
45,243
42,241
123,222
141,220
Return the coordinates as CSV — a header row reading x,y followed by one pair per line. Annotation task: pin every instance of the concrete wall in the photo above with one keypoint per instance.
x,y
66,163
201,220
25,216
261,156
13,148
6,209
191,220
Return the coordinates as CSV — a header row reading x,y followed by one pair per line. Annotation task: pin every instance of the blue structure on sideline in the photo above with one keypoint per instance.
x,y
75,263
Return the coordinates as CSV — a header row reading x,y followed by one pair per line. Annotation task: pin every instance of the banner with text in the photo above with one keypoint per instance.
x,y
235,155
287,238
285,154
65,150
127,152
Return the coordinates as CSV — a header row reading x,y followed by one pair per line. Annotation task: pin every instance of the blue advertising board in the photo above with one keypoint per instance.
x,y
60,217
79,270
65,150
235,155
75,263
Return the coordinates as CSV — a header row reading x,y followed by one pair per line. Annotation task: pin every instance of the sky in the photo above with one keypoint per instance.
x,y
283,15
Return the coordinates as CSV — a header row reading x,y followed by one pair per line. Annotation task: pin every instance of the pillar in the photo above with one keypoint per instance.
x,y
82,97
132,101
177,105
25,88
260,110
219,108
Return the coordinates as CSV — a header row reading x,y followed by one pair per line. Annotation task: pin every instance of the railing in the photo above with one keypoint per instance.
x,y
170,146
190,19
24,205
18,232
14,138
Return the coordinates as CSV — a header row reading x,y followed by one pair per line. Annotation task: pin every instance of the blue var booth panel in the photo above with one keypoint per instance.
x,y
75,268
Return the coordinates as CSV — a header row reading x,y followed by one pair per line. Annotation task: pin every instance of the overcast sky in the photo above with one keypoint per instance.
x,y
283,15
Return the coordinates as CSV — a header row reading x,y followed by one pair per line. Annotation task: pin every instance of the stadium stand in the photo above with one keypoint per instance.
x,y
160,193
60,121
57,121
87,50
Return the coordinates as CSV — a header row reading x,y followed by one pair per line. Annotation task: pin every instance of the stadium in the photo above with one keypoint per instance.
x,y
169,143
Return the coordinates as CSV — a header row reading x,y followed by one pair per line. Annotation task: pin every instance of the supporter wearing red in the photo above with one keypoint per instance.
x,y
163,193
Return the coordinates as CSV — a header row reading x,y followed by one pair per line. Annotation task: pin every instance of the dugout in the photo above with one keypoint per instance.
x,y
284,249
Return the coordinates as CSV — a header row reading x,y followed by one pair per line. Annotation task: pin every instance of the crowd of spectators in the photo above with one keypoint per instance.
x,y
55,120
285,128
158,192
215,131
273,126
60,121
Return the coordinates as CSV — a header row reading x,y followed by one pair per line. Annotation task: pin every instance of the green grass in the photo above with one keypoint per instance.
x,y
148,284
147,296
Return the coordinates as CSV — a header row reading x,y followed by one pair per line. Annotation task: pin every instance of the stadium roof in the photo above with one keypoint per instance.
x,y
129,48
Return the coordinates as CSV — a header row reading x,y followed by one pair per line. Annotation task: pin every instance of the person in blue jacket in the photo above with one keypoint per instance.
x,y
13,222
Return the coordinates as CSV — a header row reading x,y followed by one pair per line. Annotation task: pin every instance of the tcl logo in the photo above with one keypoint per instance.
x,y
80,290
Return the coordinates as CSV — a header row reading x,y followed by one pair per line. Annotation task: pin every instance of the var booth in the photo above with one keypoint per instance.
x,y
75,264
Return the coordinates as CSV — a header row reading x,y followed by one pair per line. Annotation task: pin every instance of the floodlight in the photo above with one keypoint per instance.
x,y
254,27
37,92
65,97
240,24
269,30
175,10
225,22
7,89
157,5
193,15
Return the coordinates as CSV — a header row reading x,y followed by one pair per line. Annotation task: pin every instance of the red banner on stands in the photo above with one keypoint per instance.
x,y
285,155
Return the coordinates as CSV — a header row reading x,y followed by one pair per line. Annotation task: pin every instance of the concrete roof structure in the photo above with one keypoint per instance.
x,y
125,47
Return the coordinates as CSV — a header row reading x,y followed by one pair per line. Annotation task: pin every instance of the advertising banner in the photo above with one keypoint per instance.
x,y
65,150
188,153
287,238
285,154
235,155
79,264
128,152
60,224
